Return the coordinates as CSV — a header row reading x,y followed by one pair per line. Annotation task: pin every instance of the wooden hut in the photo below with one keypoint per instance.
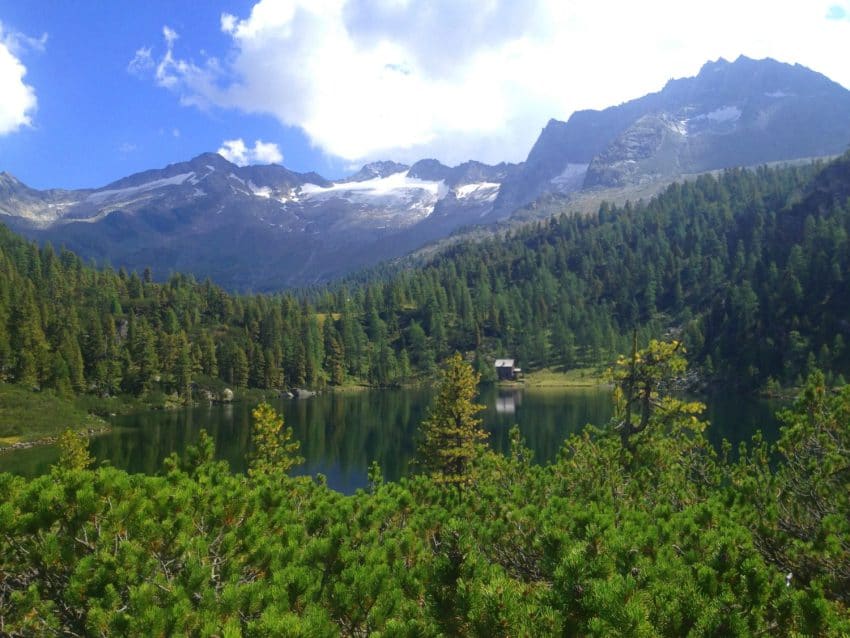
x,y
506,370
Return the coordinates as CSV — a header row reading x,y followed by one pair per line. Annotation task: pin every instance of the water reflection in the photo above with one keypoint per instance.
x,y
508,400
341,434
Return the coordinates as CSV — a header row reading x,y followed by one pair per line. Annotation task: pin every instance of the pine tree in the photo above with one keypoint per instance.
x,y
451,431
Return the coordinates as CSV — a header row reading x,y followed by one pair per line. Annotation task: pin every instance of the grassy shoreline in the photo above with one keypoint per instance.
x,y
552,378
30,418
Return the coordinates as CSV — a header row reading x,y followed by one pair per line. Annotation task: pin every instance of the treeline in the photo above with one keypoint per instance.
x,y
639,529
749,267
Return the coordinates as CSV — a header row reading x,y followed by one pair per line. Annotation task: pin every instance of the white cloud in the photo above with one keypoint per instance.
x,y
266,153
170,35
19,100
263,152
141,62
456,79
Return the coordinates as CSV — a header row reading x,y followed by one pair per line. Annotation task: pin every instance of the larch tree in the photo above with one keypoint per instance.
x,y
451,432
73,450
275,450
642,385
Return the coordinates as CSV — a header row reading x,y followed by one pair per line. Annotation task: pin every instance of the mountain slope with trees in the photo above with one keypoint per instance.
x,y
749,267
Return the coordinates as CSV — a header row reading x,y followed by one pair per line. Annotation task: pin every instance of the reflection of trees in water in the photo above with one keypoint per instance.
x,y
349,431
140,442
341,434
545,418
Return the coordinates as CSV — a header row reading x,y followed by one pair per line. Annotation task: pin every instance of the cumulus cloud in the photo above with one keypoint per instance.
x,y
460,79
19,100
263,152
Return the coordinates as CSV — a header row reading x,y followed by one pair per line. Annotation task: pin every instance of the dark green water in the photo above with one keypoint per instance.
x,y
341,434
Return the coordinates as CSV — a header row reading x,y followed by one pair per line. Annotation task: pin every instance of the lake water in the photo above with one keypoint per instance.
x,y
341,434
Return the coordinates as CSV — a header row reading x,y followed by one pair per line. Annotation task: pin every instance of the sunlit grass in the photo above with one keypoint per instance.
x,y
555,378
28,416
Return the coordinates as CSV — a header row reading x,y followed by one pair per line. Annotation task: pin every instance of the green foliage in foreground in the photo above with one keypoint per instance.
x,y
659,537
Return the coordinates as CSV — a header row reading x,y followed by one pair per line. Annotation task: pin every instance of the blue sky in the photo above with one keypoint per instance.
x,y
96,122
93,91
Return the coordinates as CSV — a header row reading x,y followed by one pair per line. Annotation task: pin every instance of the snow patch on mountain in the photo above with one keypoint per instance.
x,y
39,214
723,114
569,179
116,194
266,192
482,191
391,186
260,191
396,200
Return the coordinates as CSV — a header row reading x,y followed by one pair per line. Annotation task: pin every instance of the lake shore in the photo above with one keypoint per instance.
x,y
550,378
31,418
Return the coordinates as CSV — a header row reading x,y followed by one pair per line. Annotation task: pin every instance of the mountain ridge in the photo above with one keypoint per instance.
x,y
263,227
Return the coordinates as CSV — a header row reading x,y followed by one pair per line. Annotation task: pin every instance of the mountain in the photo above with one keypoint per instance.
x,y
266,227
256,227
739,113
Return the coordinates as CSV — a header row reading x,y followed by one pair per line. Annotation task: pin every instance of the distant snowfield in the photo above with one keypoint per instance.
x,y
393,200
486,191
723,114
100,197
397,185
265,192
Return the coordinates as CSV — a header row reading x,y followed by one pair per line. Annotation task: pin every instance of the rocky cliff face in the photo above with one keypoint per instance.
x,y
737,113
741,113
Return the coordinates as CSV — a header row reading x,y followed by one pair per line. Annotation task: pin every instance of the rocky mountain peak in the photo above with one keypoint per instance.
x,y
735,113
377,169
430,169
213,160
9,181
259,227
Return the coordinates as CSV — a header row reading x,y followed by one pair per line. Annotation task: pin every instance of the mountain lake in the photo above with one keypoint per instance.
x,y
342,433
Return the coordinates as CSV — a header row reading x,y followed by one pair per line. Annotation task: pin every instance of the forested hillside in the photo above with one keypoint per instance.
x,y
748,266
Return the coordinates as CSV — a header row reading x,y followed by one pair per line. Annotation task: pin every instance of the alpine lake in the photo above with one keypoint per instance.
x,y
341,434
